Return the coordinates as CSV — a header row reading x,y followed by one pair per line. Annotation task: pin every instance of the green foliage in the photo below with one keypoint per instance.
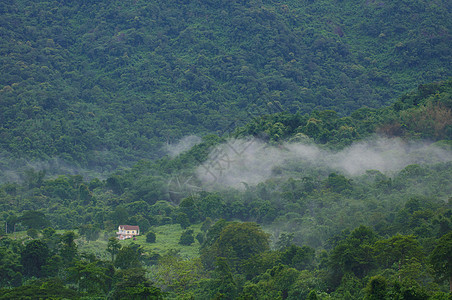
x,y
128,257
423,113
150,237
376,288
397,249
34,219
116,112
68,247
10,268
275,283
284,241
89,277
200,238
206,224
113,247
354,254
380,288
176,275
103,91
223,285
51,288
183,220
187,238
237,242
441,258
33,233
132,284
34,257
89,231
297,257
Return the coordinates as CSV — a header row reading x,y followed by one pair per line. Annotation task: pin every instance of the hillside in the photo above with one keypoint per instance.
x,y
100,84
290,206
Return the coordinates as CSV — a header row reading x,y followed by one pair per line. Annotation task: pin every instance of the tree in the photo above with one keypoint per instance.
x,y
50,237
338,183
33,178
10,268
89,231
89,276
206,224
441,258
119,215
354,254
34,257
275,283
49,289
132,284
85,194
284,241
188,207
113,247
128,257
200,238
297,257
11,222
187,238
397,249
237,242
376,288
114,183
223,283
33,233
68,247
211,205
179,275
183,220
34,219
150,237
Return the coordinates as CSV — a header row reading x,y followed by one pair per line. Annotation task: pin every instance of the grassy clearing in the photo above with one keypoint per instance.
x,y
167,238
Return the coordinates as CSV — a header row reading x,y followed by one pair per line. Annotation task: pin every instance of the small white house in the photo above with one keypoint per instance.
x,y
127,231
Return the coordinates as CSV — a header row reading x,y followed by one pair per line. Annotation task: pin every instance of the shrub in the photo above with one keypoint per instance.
x,y
187,238
150,237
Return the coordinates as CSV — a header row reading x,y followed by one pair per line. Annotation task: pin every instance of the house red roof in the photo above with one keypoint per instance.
x,y
129,227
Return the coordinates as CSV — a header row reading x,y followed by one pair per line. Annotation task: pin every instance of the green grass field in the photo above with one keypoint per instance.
x,y
167,238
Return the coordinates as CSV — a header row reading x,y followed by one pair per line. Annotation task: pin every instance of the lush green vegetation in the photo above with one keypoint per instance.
x,y
91,91
105,83
321,234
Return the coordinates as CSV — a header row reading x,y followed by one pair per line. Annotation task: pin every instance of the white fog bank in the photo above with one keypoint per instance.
x,y
252,161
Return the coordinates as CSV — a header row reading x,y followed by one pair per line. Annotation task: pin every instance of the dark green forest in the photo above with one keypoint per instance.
x,y
322,169
304,233
102,84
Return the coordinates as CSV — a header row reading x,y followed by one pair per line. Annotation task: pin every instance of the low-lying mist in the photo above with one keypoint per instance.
x,y
252,161
183,145
16,170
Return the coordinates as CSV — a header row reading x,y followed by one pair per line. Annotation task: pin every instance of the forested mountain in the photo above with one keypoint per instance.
x,y
266,149
104,83
326,230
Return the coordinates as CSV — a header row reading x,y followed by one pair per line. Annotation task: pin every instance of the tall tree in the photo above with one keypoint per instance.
x,y
34,257
34,219
113,247
398,249
68,247
441,258
89,276
239,241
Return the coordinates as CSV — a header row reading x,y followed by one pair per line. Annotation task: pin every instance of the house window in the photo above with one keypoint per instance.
x,y
127,231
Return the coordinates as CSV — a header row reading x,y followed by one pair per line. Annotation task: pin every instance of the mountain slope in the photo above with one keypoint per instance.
x,y
99,83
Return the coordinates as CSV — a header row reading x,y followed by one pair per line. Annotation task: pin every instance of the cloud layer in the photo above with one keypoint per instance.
x,y
252,161
183,145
